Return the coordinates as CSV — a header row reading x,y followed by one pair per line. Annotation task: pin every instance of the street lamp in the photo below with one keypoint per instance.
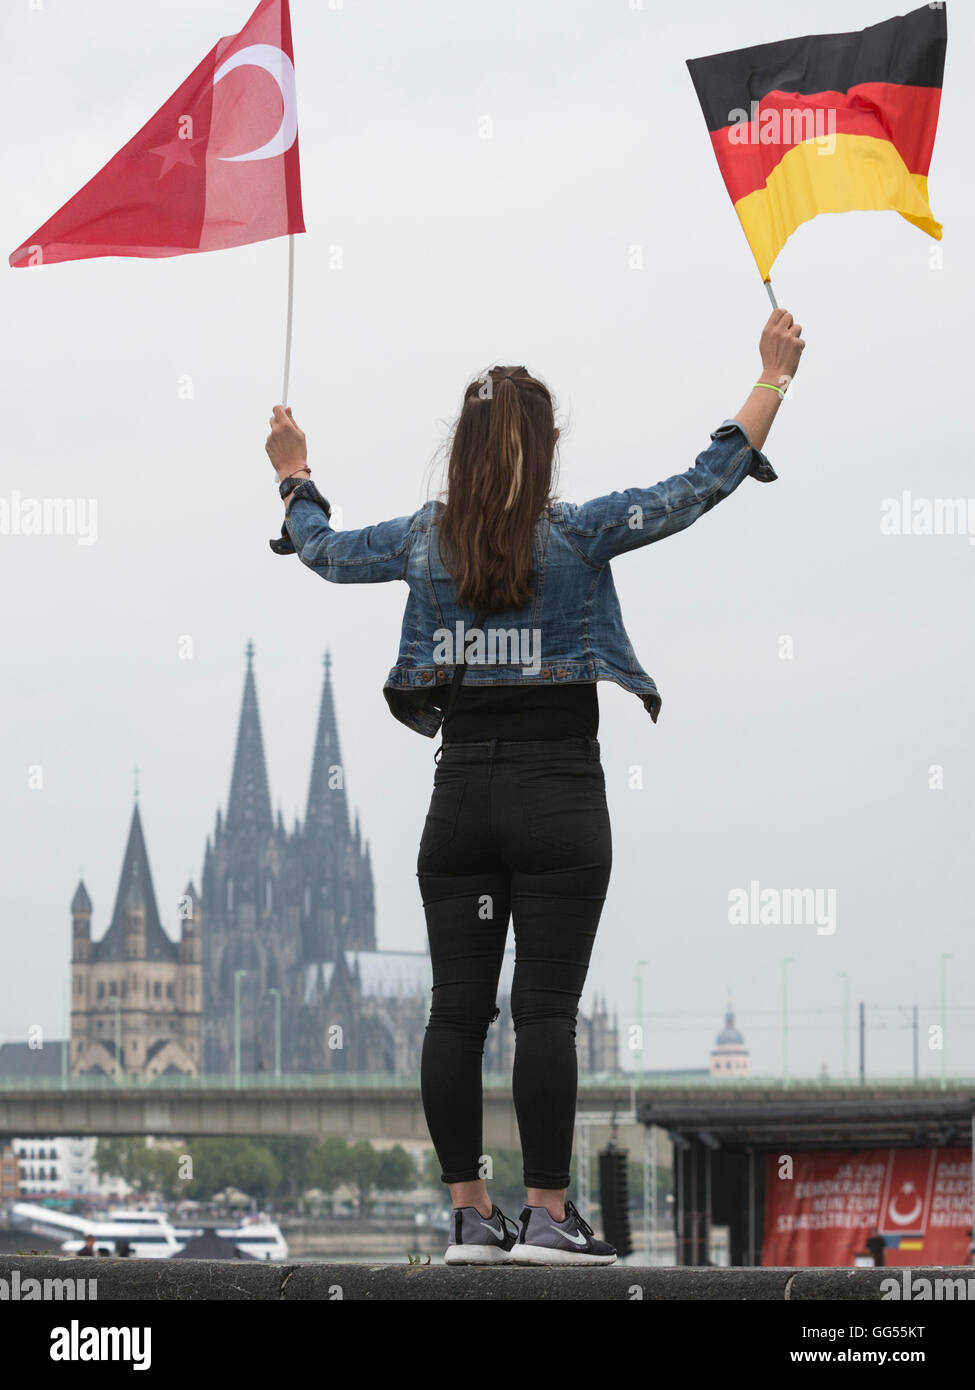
x,y
844,976
638,983
944,1024
238,976
789,960
113,998
277,1030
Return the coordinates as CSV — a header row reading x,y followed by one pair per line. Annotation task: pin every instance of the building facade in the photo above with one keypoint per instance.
x,y
57,1166
9,1173
136,995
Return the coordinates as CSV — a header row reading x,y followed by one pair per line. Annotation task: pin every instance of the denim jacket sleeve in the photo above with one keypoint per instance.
x,y
372,555
609,526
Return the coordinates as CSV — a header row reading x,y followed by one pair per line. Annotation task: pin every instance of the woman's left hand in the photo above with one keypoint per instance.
x,y
285,445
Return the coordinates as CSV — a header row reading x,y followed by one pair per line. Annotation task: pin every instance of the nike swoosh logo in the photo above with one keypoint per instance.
x,y
498,1234
576,1240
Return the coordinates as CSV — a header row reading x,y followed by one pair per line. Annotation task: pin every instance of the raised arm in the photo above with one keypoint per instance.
x,y
608,526
371,555
781,347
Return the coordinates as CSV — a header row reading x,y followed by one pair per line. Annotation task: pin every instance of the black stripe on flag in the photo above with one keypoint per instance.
x,y
908,50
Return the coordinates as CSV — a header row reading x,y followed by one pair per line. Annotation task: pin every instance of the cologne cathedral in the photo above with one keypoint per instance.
x,y
283,935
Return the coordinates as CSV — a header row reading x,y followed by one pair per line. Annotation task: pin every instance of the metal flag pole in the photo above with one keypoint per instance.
x,y
291,303
768,286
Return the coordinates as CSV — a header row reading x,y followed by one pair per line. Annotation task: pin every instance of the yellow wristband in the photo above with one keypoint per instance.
x,y
767,386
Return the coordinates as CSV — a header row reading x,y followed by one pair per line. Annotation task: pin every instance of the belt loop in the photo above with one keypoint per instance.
x,y
438,755
494,744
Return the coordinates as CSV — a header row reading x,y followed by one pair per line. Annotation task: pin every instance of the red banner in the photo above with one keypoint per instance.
x,y
821,1208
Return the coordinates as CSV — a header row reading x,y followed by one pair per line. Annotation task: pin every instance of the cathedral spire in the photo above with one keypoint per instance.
x,y
249,807
327,809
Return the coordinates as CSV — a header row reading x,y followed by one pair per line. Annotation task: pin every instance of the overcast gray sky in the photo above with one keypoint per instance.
x,y
458,251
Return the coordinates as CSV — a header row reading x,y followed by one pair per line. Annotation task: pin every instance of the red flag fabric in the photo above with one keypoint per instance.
x,y
216,166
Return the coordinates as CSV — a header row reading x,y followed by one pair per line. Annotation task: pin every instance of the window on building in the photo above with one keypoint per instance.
x,y
101,989
157,990
169,989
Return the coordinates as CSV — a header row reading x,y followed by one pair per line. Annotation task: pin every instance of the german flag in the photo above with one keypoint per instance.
x,y
827,123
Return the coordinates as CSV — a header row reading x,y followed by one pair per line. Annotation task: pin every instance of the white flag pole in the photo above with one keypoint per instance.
x,y
768,286
291,301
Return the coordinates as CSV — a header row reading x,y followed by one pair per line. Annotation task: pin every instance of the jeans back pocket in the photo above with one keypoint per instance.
x,y
445,804
565,807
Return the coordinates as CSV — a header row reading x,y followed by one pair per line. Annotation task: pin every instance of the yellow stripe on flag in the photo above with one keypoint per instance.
x,y
862,174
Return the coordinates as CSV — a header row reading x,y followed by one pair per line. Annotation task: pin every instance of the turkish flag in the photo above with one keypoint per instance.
x,y
216,166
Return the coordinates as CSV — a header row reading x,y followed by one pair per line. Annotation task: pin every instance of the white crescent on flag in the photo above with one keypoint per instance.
x,y
901,1218
279,65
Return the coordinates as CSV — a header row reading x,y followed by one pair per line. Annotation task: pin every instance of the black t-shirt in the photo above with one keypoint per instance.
x,y
517,713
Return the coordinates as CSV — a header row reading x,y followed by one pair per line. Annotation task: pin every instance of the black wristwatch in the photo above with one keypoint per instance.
x,y
288,485
303,488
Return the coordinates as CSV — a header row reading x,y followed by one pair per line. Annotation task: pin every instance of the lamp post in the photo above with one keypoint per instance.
x,y
844,976
944,1023
238,976
113,998
65,1045
789,960
638,986
277,1030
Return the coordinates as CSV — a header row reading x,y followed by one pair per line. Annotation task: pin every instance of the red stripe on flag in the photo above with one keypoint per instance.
x,y
905,116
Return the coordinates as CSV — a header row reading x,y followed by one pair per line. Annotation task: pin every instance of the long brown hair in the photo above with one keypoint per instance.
x,y
500,479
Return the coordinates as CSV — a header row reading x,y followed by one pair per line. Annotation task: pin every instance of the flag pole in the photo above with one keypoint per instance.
x,y
768,286
291,301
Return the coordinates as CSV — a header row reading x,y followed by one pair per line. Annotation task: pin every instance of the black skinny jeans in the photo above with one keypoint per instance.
x,y
521,831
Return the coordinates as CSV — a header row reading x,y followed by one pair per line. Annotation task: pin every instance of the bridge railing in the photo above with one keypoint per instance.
x,y
378,1081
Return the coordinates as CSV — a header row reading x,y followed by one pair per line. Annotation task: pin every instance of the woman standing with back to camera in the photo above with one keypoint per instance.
x,y
518,826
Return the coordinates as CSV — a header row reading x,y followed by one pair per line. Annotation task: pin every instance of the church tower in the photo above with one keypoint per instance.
x,y
337,912
730,1056
135,996
277,907
249,936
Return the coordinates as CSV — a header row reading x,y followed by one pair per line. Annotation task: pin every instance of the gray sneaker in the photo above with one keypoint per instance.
x,y
480,1240
544,1241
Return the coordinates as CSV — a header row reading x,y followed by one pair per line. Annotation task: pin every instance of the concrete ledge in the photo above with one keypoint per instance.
x,y
226,1280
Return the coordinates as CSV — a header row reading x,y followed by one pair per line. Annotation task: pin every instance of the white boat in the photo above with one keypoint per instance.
x,y
148,1234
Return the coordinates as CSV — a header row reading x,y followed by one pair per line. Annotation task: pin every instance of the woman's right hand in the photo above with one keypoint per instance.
x,y
781,347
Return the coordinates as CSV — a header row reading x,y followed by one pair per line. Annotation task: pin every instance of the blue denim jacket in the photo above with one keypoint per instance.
x,y
572,628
